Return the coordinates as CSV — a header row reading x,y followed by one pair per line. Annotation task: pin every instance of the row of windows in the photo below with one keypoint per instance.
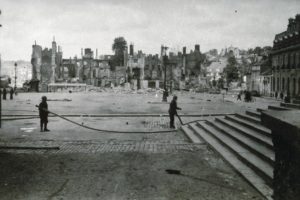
x,y
287,60
286,85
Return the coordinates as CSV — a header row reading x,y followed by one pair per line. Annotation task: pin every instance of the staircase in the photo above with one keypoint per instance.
x,y
243,142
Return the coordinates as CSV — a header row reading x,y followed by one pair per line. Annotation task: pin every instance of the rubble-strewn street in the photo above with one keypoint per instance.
x,y
99,165
149,100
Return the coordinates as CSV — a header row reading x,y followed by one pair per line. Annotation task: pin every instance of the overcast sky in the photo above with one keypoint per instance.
x,y
80,24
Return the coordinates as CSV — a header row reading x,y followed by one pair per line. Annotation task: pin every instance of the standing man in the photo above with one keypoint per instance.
x,y
43,109
4,94
11,92
281,95
239,96
173,111
276,95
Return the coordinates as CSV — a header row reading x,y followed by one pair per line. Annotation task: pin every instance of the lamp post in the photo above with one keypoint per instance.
x,y
165,61
16,76
0,89
0,95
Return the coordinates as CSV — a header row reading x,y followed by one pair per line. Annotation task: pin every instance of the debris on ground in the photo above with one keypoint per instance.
x,y
59,100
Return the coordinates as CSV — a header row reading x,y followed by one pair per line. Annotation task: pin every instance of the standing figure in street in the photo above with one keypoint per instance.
x,y
239,96
173,111
43,110
11,92
276,95
281,96
4,94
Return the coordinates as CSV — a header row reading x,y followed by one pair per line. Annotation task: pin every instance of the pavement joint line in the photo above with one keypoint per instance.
x,y
117,115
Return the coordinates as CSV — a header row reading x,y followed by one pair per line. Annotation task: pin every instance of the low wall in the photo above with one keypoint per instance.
x,y
285,126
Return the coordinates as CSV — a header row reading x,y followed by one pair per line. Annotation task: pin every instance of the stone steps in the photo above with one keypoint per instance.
x,y
295,101
244,143
253,113
260,110
277,108
254,135
191,135
250,159
255,127
290,105
250,166
254,147
248,118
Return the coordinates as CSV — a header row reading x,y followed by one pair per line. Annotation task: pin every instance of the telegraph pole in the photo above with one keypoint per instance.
x,y
0,89
164,61
0,94
16,76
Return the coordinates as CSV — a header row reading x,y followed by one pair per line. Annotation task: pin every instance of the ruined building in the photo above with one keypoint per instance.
x,y
135,66
44,63
181,68
187,69
88,69
139,69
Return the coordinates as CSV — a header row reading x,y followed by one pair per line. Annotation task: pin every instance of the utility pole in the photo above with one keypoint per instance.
x,y
16,76
0,94
0,89
165,62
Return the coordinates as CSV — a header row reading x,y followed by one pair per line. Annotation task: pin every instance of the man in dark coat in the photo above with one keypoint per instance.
x,y
173,111
281,95
43,110
11,94
4,94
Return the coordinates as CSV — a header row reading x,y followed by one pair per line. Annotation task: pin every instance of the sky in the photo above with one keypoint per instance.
x,y
147,24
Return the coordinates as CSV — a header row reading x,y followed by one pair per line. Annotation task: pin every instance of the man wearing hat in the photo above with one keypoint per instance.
x,y
43,110
173,111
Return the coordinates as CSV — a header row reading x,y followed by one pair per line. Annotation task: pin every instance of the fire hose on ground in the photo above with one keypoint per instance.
x,y
114,131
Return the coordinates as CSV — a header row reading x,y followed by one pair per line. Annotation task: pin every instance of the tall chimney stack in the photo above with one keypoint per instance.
x,y
131,50
197,47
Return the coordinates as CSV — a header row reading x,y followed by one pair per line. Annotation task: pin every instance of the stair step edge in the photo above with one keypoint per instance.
x,y
257,127
252,145
261,138
265,168
246,172
191,135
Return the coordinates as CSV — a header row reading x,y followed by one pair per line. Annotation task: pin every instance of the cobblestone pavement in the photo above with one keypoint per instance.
x,y
118,171
99,147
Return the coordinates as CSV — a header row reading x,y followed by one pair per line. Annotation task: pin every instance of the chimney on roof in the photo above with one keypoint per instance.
x,y
290,24
131,50
197,47
96,53
297,22
184,51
